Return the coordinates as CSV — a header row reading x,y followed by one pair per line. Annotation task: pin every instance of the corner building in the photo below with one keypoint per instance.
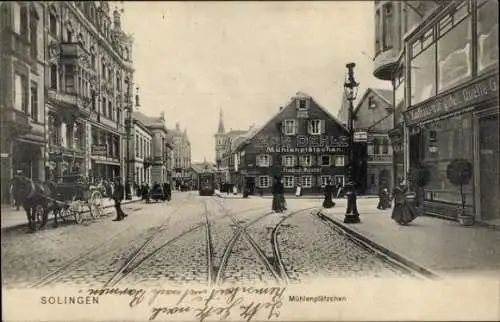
x,y
449,67
89,80
303,143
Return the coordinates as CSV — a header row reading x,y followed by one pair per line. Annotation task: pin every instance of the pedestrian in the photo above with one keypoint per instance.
x,y
118,195
384,200
283,200
328,191
403,212
235,190
277,191
298,191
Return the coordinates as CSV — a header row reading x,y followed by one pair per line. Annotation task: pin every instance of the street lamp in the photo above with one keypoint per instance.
x,y
128,128
351,90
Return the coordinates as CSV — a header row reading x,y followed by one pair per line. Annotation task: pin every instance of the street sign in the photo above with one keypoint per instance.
x,y
360,137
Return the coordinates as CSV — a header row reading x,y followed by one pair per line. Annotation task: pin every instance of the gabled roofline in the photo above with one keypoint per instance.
x,y
143,126
368,90
301,94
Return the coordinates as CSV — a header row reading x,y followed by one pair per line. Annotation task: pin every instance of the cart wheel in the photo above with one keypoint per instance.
x,y
39,212
95,204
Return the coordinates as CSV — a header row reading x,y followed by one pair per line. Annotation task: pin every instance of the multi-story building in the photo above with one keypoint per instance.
x,y
223,152
89,80
373,114
446,72
22,95
141,150
158,161
182,156
303,143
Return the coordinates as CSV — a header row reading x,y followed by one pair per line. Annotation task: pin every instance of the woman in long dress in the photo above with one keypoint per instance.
x,y
298,191
277,191
383,202
328,202
404,211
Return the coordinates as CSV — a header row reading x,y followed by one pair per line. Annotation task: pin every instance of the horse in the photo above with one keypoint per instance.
x,y
33,197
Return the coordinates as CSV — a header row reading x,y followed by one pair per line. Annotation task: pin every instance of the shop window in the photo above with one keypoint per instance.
x,y
339,180
454,54
263,181
288,181
487,35
307,181
34,102
423,75
446,141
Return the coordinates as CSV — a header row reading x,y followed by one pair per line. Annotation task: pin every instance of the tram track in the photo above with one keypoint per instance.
x,y
273,265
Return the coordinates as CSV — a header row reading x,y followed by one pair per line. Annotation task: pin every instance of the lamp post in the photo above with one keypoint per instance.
x,y
351,90
129,174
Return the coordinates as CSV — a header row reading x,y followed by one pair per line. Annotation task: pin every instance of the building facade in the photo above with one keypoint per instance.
x,y
374,115
182,156
89,79
22,95
141,148
450,59
302,143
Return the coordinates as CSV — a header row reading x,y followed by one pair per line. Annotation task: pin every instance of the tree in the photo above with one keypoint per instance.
x,y
459,173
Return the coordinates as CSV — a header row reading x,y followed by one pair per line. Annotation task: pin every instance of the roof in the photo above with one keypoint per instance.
x,y
384,94
200,167
252,133
149,121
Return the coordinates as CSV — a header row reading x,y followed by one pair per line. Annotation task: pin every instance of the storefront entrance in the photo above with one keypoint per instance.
x,y
489,172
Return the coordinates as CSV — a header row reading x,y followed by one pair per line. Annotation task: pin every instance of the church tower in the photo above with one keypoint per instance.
x,y
220,138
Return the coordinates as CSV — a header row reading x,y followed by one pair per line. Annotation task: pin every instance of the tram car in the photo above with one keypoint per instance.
x,y
206,184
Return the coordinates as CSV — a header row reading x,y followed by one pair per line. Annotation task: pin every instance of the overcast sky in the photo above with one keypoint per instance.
x,y
248,58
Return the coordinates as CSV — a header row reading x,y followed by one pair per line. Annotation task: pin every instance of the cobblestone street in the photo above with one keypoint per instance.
x,y
205,240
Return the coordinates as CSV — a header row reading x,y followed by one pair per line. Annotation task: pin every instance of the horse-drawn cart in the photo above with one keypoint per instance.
x,y
73,194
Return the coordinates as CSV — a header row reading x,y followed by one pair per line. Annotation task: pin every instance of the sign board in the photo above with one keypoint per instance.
x,y
4,155
302,170
100,150
380,157
300,141
360,137
484,89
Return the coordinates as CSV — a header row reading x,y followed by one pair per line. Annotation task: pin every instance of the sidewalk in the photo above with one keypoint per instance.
x,y
440,246
10,217
287,196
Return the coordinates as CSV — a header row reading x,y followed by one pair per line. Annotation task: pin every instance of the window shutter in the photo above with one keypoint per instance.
x,y
283,160
296,125
299,160
309,127
322,126
270,156
318,181
319,160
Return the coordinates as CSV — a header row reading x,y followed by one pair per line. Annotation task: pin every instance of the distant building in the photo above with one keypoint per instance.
x,y
303,144
181,155
374,114
141,151
223,143
197,168
158,129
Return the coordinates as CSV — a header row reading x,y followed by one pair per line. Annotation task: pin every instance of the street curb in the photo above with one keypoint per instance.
x,y
365,240
83,212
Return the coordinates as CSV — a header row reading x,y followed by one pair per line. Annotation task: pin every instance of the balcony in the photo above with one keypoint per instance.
x,y
70,100
385,63
71,51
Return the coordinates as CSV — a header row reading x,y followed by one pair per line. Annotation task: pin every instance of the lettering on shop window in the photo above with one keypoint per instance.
x,y
472,94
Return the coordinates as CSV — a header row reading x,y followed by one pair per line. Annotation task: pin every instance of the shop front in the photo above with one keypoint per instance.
x,y
452,107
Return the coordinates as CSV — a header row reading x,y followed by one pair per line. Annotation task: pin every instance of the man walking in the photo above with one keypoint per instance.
x,y
118,195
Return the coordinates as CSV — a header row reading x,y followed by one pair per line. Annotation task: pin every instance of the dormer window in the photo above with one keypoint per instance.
x,y
302,104
371,102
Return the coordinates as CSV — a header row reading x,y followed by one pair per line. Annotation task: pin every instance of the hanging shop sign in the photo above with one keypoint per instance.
x,y
482,90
